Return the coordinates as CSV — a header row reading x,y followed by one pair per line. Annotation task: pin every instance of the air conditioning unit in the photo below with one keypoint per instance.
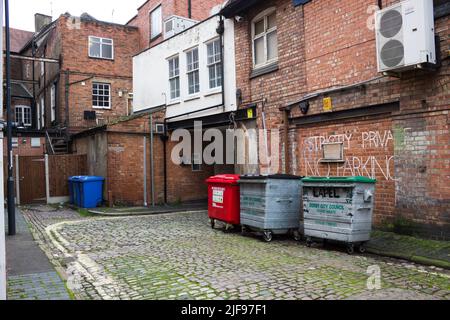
x,y
160,128
405,36
176,24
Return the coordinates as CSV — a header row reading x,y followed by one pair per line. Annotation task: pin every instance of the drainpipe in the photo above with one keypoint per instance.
x,y
287,155
220,30
164,137
34,111
67,102
152,168
380,4
190,9
145,171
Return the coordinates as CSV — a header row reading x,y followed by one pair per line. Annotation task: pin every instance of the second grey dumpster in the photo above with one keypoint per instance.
x,y
270,204
338,208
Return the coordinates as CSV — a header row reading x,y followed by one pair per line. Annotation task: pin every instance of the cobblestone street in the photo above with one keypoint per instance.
x,y
178,256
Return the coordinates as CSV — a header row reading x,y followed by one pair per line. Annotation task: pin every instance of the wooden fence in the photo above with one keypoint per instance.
x,y
60,168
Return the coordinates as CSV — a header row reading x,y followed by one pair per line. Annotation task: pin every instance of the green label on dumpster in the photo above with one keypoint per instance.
x,y
327,208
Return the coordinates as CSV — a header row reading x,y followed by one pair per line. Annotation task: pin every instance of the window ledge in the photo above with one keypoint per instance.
x,y
213,92
101,108
154,38
100,58
192,98
264,70
173,103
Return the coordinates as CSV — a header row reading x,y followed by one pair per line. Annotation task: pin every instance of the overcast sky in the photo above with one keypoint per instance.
x,y
22,11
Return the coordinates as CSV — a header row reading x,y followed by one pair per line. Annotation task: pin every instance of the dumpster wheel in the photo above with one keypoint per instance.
x,y
267,236
350,248
309,242
213,223
362,248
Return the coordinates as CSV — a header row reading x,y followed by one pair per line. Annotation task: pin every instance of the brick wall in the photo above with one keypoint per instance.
x,y
288,82
200,11
24,147
118,155
330,45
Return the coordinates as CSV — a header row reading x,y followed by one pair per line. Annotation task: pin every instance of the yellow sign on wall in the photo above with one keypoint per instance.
x,y
250,113
327,104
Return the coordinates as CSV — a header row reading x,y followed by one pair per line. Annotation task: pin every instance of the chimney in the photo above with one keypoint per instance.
x,y
41,20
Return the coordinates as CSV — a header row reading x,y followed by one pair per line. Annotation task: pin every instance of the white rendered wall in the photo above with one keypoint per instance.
x,y
151,73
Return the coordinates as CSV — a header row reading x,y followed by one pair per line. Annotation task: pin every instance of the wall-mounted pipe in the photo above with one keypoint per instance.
x,y
190,9
145,171
221,30
152,161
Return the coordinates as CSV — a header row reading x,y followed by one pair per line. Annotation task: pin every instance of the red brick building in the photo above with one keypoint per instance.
x,y
320,58
153,13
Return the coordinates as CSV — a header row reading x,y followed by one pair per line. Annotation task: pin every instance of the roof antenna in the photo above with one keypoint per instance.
x,y
112,16
51,9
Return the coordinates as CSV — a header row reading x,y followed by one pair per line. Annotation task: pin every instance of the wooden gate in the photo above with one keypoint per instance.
x,y
32,179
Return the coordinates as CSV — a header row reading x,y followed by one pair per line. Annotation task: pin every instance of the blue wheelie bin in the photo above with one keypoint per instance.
x,y
86,191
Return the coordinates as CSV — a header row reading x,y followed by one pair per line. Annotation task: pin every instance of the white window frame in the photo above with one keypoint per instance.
x,y
22,109
193,68
42,112
53,102
152,34
215,63
34,144
15,142
38,115
263,16
174,75
109,96
91,39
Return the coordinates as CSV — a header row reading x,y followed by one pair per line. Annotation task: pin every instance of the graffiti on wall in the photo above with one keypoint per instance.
x,y
368,153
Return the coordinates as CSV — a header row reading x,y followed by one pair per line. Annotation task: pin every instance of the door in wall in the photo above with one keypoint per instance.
x,y
32,179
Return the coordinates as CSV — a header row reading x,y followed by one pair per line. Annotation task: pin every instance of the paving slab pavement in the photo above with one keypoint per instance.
x,y
30,275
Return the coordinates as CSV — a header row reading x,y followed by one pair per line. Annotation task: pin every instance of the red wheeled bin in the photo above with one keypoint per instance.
x,y
224,200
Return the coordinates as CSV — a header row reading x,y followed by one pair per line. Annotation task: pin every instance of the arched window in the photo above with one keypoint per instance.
x,y
264,38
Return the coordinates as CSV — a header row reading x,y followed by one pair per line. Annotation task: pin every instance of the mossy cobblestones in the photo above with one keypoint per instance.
x,y
178,256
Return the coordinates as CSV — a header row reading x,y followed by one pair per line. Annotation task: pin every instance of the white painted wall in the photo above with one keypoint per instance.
x,y
151,73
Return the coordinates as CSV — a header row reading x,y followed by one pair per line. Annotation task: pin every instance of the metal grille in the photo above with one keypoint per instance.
x,y
392,53
391,23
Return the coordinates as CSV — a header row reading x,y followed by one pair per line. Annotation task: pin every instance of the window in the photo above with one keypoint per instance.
x,y
214,64
155,23
174,77
35,142
193,72
23,115
101,95
101,48
265,43
53,102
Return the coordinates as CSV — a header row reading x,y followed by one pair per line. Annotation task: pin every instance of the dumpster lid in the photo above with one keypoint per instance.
x,y
224,178
357,179
86,178
273,176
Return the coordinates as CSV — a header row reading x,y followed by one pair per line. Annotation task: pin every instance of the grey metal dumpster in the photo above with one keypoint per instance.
x,y
270,204
338,208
